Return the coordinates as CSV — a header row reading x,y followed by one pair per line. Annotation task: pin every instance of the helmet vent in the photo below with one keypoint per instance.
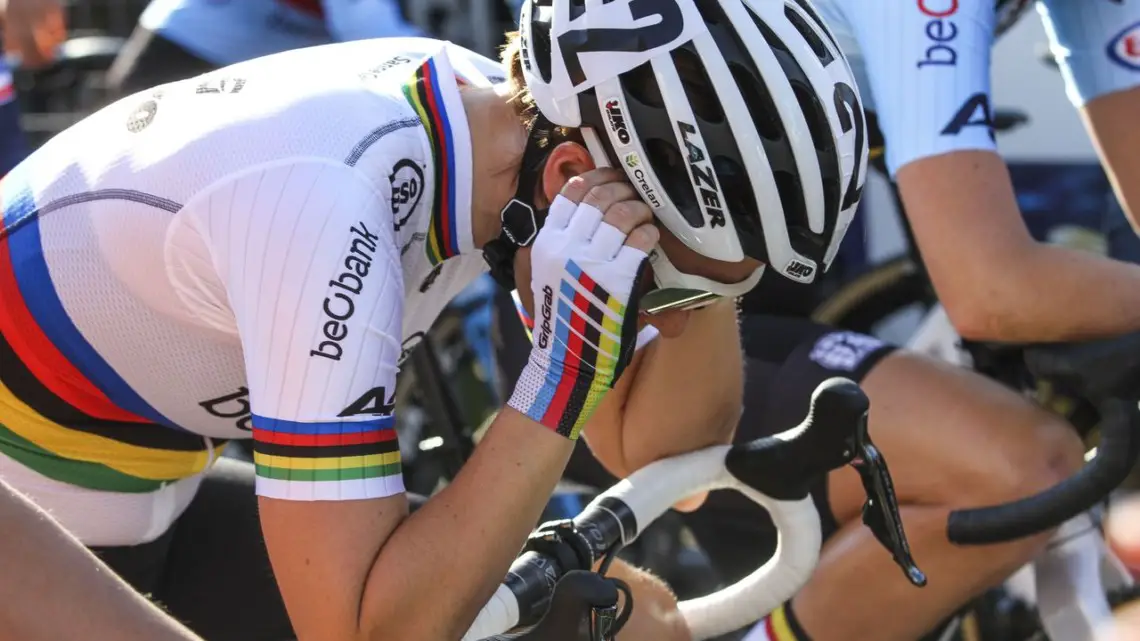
x,y
761,107
820,25
540,44
740,202
705,104
816,118
672,172
791,198
809,34
641,85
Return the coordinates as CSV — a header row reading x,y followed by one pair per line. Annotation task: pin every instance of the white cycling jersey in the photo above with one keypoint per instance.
x,y
227,31
924,65
246,253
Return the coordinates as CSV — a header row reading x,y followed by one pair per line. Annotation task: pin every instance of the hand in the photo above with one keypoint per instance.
x,y
585,264
34,29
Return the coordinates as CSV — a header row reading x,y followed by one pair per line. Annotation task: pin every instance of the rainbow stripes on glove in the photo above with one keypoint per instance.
x,y
592,343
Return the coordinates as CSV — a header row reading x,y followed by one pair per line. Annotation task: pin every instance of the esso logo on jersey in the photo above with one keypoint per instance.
x,y
941,31
1124,49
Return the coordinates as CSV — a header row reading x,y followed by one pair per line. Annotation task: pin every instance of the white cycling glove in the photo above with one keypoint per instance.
x,y
585,326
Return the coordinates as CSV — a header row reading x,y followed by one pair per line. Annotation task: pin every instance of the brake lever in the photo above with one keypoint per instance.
x,y
881,511
602,619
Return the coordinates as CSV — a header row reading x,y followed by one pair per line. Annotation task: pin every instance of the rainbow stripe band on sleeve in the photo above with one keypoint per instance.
x,y
327,460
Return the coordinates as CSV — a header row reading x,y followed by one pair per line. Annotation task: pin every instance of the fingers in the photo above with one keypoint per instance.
x,y
585,221
643,239
606,194
600,205
606,243
560,213
577,187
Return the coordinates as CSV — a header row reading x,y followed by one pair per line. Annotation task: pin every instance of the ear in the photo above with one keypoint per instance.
x,y
567,160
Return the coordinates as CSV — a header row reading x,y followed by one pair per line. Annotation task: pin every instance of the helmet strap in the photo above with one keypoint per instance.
x,y
520,218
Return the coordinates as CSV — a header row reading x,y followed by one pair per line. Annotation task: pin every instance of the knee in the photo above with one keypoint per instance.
x,y
1046,451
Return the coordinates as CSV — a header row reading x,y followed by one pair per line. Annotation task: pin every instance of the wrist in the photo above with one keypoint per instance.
x,y
560,396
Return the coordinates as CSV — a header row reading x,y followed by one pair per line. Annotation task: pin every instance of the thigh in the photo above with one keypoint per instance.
x,y
953,437
217,577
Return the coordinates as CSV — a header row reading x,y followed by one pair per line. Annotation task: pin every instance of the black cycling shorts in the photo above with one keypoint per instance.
x,y
786,359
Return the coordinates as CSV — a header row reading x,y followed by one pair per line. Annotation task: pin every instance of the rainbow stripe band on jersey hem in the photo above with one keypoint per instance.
x,y
66,413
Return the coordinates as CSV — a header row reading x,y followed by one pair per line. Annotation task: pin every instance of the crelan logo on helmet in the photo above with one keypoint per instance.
x,y
633,161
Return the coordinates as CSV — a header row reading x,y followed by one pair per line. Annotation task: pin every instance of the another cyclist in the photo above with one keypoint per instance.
x,y
176,39
929,87
253,250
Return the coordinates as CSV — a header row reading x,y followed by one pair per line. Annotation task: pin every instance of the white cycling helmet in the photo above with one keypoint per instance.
x,y
738,120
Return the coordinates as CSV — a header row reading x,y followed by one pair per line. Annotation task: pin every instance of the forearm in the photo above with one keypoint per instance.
x,y
456,550
687,391
996,282
52,588
1056,294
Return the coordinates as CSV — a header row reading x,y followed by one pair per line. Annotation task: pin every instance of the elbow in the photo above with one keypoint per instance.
x,y
976,319
993,301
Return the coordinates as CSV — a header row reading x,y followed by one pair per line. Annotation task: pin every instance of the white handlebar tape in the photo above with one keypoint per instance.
x,y
651,491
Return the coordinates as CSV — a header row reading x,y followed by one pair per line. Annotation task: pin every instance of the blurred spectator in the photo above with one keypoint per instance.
x,y
33,29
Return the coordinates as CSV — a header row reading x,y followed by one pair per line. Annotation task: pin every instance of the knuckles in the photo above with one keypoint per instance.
x,y
628,214
602,196
579,186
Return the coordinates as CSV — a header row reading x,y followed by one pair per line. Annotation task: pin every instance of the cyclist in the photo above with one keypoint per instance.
x,y
249,253
176,39
928,88
87,601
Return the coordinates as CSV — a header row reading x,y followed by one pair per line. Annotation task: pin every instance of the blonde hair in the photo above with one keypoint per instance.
x,y
521,99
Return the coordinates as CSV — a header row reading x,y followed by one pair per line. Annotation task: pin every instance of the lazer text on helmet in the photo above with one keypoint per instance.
x,y
703,176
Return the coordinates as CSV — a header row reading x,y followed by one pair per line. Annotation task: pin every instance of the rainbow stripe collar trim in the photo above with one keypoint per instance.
x,y
433,92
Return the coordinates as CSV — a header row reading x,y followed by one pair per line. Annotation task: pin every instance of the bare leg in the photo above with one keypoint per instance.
x,y
953,439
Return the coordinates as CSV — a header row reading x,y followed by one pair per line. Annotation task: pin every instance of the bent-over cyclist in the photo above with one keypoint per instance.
x,y
251,252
